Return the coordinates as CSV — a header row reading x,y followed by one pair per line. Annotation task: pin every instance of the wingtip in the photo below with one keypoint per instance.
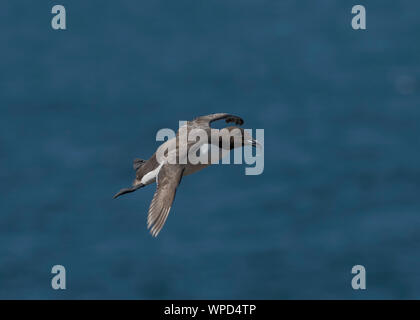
x,y
154,233
235,119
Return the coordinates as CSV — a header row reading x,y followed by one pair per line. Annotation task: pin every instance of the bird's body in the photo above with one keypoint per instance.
x,y
170,163
147,173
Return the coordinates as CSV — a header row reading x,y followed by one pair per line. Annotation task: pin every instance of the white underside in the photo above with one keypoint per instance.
x,y
151,176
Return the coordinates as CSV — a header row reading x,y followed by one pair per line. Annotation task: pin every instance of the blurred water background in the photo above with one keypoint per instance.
x,y
340,110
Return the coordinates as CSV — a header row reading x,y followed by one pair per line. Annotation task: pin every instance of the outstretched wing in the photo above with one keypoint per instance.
x,y
206,120
167,181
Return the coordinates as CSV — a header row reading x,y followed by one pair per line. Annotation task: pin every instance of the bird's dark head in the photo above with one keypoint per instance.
x,y
238,137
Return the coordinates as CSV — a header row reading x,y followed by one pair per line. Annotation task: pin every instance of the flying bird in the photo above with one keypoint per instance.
x,y
168,174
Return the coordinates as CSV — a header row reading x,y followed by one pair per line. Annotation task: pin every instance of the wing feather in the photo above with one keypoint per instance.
x,y
168,180
219,116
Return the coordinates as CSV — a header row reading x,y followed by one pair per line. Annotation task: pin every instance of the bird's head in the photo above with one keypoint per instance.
x,y
242,137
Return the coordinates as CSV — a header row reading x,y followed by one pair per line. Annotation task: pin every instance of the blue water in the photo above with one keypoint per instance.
x,y
340,110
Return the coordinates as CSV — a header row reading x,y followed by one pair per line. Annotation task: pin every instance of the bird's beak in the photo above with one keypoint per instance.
x,y
255,144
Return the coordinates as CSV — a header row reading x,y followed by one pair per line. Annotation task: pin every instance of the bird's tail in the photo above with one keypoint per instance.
x,y
128,190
